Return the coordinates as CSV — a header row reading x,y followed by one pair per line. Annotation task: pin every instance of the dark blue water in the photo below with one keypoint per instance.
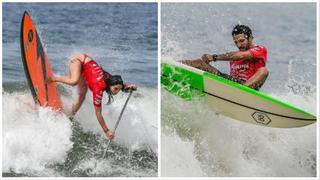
x,y
122,37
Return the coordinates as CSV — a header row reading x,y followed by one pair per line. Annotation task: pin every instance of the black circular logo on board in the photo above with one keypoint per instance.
x,y
30,35
261,118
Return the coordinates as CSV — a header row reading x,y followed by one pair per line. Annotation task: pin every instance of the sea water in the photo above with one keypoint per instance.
x,y
197,141
122,37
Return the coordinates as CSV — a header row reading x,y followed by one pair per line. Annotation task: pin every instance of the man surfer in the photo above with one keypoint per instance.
x,y
247,66
85,72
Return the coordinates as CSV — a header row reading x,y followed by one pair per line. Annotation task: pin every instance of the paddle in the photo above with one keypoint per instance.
x,y
117,123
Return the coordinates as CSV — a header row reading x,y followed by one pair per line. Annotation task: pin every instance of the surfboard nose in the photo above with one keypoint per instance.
x,y
232,99
36,66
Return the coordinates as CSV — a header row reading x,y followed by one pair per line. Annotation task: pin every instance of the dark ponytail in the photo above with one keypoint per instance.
x,y
111,80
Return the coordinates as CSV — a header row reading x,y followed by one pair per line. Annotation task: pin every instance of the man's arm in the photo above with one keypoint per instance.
x,y
229,56
102,122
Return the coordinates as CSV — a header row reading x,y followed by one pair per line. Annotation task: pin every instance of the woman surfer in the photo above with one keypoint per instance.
x,y
85,72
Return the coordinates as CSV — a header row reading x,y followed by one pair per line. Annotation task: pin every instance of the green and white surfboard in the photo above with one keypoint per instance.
x,y
232,99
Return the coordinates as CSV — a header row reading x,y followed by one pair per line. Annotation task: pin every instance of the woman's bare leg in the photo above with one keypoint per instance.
x,y
74,74
82,91
200,64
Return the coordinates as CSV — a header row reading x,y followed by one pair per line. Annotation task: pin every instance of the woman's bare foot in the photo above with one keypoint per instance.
x,y
49,79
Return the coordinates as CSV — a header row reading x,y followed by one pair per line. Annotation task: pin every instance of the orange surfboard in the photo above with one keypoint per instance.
x,y
37,67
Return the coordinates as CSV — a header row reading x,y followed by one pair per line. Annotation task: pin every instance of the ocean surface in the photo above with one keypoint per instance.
x,y
195,140
122,37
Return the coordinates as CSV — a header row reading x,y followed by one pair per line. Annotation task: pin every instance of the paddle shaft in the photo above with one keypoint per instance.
x,y
117,123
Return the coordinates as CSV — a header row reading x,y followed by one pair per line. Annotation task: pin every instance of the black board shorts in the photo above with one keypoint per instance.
x,y
236,80
231,78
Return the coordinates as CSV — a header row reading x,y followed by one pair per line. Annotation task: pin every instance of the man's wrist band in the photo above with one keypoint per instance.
x,y
214,57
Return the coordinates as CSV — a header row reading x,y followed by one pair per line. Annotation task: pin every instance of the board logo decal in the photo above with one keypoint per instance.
x,y
30,38
30,35
261,118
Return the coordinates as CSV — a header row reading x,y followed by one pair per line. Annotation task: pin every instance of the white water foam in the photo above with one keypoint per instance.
x,y
221,146
138,127
226,147
32,138
97,167
175,160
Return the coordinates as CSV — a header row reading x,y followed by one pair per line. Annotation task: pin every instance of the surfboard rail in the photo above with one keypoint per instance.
x,y
36,66
233,99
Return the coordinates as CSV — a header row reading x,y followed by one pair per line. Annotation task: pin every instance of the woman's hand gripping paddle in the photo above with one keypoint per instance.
x,y
117,123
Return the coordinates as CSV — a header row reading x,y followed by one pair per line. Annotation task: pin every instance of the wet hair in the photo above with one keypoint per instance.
x,y
242,29
111,80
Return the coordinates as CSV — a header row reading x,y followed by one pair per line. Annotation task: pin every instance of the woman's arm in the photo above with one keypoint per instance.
x,y
102,123
128,87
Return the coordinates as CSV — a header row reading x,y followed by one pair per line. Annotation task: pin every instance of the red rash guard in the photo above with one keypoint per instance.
x,y
93,75
244,69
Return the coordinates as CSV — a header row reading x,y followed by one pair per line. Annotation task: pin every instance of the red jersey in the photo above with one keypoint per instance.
x,y
93,75
244,69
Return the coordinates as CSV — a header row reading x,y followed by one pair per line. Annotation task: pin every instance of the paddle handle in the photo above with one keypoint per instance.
x,y
106,150
117,123
121,113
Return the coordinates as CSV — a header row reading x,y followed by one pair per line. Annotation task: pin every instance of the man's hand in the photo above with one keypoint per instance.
x,y
207,58
109,134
